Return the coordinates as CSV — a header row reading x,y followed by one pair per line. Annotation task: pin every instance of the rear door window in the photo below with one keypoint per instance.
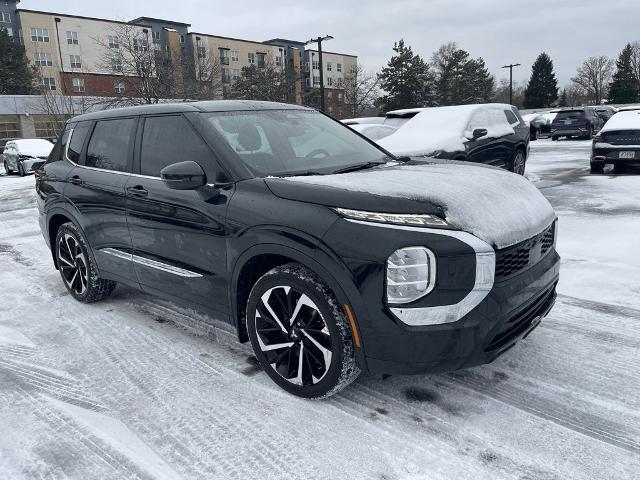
x,y
110,144
170,139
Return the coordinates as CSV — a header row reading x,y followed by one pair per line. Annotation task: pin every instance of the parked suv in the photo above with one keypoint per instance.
x,y
326,253
491,133
581,122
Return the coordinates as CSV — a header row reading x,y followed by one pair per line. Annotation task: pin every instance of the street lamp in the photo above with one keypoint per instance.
x,y
319,41
510,67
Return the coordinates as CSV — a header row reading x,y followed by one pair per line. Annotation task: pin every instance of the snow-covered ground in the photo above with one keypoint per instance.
x,y
121,389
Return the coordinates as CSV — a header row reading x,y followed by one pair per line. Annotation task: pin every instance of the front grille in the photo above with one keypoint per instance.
x,y
512,260
521,321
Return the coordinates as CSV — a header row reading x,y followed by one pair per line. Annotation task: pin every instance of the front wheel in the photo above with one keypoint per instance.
x,y
77,267
299,333
518,163
21,169
7,170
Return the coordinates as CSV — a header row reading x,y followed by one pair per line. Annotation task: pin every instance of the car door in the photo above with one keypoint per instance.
x,y
101,153
482,149
178,236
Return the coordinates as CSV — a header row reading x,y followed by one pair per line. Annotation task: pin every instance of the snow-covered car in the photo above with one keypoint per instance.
x,y
25,156
362,120
374,132
617,143
539,124
397,118
492,133
325,253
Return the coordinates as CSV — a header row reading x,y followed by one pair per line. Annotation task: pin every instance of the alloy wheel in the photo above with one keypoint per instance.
x,y
73,264
519,163
293,335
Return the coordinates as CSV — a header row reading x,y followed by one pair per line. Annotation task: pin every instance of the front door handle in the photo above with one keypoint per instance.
x,y
76,180
138,191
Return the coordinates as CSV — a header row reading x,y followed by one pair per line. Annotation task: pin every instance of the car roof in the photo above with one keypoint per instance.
x,y
204,106
410,112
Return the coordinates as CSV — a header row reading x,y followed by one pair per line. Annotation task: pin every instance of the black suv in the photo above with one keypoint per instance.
x,y
582,122
324,251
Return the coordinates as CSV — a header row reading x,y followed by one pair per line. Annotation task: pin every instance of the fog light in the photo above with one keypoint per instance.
x,y
411,274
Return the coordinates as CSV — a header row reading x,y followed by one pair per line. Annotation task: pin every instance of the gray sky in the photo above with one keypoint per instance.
x,y
501,31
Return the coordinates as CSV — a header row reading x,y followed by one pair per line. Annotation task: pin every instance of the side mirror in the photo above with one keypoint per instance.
x,y
183,176
479,133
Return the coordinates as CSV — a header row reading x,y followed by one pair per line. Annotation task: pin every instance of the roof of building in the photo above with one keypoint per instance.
x,y
205,106
285,41
159,20
211,35
81,17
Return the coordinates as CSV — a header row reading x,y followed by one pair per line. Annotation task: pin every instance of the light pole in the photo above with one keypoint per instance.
x,y
319,41
62,86
510,67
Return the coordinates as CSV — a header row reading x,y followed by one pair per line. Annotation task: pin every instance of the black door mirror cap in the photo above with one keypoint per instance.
x,y
479,133
187,175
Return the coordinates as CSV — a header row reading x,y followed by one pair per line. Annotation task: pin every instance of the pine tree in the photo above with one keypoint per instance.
x,y
17,77
542,89
459,78
407,80
563,100
623,87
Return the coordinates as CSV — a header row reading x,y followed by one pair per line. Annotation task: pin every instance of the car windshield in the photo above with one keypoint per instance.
x,y
293,142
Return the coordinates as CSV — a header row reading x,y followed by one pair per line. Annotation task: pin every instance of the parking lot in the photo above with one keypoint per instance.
x,y
136,388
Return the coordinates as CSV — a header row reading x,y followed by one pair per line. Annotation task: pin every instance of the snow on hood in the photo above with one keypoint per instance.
x,y
495,205
442,128
629,120
36,147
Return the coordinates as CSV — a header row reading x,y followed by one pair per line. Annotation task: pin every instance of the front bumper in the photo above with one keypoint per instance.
x,y
510,312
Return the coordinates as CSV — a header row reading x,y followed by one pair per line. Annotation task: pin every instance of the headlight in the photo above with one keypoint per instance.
x,y
420,220
411,274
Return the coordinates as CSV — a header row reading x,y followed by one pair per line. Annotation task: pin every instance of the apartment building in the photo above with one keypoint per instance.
x,y
77,55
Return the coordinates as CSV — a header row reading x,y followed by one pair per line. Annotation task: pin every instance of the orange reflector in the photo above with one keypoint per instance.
x,y
352,322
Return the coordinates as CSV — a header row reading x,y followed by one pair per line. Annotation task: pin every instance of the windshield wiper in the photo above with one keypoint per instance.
x,y
360,166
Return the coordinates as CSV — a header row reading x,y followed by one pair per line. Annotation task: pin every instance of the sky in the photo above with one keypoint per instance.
x,y
500,31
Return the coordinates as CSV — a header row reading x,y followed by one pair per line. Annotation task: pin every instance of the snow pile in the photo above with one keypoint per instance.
x,y
445,128
495,205
629,120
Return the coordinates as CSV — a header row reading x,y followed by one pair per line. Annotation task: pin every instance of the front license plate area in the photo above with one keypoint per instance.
x,y
627,155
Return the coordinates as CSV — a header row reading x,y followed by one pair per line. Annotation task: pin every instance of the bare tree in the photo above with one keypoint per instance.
x,y
502,92
361,90
146,73
593,77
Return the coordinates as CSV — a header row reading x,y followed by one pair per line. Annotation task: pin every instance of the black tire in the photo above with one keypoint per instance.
x,y
518,162
77,266
319,330
534,135
7,170
554,138
21,169
597,168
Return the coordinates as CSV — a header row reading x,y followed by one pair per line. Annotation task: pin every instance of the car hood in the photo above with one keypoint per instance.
x,y
35,152
495,205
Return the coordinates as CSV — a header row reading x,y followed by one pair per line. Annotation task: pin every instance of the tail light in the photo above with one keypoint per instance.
x,y
39,173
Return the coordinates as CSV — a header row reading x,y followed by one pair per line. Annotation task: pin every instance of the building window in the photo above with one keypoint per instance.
x,y
279,61
156,36
251,57
226,75
43,59
236,73
49,83
5,17
140,44
113,41
339,82
9,128
202,52
224,56
72,38
234,56
316,65
330,81
78,84
181,39
75,61
118,86
328,66
338,67
116,65
316,81
307,82
40,35
340,96
261,59
353,68
306,67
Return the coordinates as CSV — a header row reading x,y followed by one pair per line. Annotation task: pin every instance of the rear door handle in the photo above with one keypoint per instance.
x,y
76,180
138,191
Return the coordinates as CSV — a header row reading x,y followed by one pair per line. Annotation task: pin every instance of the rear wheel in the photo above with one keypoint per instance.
x,y
518,163
77,266
299,333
